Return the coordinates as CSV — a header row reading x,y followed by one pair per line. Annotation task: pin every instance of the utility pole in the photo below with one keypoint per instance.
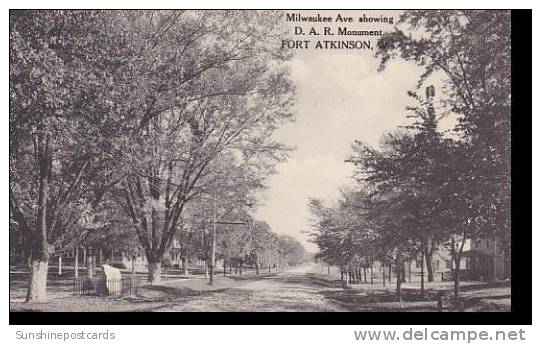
x,y
210,265
213,245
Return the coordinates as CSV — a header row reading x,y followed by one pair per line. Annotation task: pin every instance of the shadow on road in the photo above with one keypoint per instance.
x,y
307,279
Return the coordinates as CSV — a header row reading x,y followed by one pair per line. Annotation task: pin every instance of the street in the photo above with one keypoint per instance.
x,y
298,289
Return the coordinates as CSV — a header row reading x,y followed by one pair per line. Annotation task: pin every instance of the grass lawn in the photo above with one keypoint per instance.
x,y
174,287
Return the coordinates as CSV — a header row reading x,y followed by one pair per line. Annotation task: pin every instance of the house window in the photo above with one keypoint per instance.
x,y
449,264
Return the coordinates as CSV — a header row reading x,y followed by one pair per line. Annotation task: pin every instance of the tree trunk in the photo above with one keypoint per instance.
x,y
154,271
90,262
76,267
507,263
60,265
457,284
364,270
456,276
383,273
428,258
213,246
371,274
185,271
390,271
257,263
22,255
211,272
457,257
37,289
422,275
399,279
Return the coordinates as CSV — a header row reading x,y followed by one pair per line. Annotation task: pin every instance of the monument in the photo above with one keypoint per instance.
x,y
111,282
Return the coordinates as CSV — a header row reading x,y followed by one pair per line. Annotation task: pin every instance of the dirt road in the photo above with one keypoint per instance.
x,y
293,290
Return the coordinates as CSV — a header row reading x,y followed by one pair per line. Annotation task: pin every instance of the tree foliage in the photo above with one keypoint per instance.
x,y
139,112
422,187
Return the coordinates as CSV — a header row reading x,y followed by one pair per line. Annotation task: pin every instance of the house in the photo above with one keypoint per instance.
x,y
486,259
482,259
441,265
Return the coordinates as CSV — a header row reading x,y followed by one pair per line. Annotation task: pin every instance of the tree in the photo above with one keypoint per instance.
x,y
329,235
59,113
205,87
344,233
472,50
410,179
293,252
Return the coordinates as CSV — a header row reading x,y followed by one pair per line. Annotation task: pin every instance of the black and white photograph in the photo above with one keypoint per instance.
x,y
262,161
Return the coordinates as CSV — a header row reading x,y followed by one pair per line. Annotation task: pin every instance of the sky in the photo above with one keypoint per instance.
x,y
341,97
